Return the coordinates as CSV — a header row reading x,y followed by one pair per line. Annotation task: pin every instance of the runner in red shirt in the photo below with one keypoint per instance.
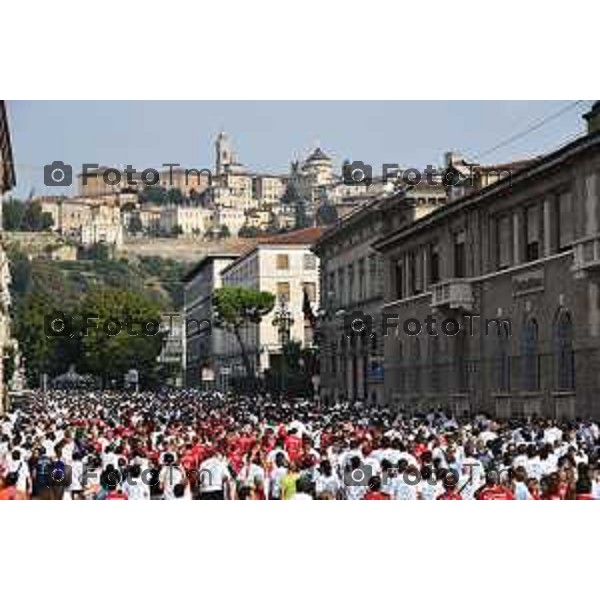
x,y
375,492
493,489
450,481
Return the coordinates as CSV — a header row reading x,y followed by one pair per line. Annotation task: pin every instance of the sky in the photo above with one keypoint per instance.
x,y
267,135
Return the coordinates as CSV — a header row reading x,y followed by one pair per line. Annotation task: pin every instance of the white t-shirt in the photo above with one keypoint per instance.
x,y
213,474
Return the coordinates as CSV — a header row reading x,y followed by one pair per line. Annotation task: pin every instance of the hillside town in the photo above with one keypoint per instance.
x,y
226,200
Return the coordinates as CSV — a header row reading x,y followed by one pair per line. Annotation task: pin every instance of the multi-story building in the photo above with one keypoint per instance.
x,y
510,273
231,218
113,181
285,266
7,182
260,219
85,220
149,218
352,366
186,220
205,347
268,189
100,232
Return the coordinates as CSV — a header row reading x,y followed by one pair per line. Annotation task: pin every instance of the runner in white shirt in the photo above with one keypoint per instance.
x,y
214,478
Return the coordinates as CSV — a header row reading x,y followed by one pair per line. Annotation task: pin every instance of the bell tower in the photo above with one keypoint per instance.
x,y
224,153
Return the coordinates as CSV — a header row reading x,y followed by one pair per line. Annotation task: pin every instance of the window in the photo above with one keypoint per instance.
x,y
532,233
283,261
310,289
564,359
341,286
283,291
310,262
415,272
500,363
399,274
459,255
350,283
374,286
434,264
362,282
529,356
565,221
503,241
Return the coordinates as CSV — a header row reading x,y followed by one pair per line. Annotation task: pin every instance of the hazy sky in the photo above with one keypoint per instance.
x,y
267,135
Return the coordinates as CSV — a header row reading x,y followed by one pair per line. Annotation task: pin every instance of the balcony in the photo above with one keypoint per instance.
x,y
453,293
586,256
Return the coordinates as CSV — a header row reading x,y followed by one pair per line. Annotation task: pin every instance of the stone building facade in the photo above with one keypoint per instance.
x,y
512,273
352,283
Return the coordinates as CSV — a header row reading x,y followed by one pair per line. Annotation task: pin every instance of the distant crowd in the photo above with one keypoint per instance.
x,y
191,445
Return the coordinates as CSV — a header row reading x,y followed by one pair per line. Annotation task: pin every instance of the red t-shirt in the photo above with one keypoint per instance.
x,y
376,496
293,446
116,496
450,495
495,492
8,493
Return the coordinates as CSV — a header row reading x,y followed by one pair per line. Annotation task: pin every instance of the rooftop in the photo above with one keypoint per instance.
x,y
317,154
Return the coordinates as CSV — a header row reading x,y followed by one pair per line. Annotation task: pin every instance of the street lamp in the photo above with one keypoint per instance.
x,y
283,320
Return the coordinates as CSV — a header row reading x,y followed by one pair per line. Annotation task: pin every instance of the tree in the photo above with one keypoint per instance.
x,y
301,219
290,196
177,230
224,233
47,221
236,308
33,219
154,194
249,231
327,214
109,352
12,214
43,353
99,251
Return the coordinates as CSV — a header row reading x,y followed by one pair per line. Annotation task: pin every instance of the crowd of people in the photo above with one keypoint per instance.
x,y
187,445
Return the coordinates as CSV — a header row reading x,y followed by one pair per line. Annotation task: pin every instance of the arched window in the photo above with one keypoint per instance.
x,y
564,359
500,360
434,365
530,373
461,362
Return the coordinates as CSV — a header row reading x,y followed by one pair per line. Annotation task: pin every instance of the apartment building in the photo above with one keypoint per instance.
x,y
186,220
285,266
